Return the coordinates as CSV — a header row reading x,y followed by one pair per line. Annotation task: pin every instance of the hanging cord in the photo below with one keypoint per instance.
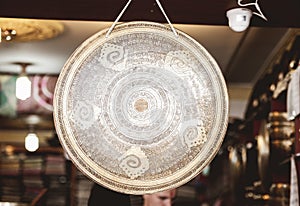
x,y
164,13
126,6
260,14
117,19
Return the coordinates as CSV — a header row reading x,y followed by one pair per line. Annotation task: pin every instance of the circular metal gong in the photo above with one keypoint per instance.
x,y
142,110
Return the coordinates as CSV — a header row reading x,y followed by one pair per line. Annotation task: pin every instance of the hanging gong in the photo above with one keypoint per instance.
x,y
142,110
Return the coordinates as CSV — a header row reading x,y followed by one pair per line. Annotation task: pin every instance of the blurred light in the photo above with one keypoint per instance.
x,y
266,197
31,142
206,170
272,87
23,87
8,38
7,34
280,76
9,150
255,103
249,145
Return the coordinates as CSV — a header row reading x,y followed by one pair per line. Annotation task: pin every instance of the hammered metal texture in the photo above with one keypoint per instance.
x,y
142,110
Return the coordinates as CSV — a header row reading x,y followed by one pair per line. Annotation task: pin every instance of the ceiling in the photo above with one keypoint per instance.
x,y
242,57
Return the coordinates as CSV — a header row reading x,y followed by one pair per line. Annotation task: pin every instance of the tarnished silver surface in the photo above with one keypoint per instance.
x,y
141,111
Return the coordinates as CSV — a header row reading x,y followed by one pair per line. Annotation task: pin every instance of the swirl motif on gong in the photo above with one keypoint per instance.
x,y
134,162
193,133
179,62
84,114
112,56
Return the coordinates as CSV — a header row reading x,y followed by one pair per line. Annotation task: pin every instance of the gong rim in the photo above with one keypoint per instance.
x,y
136,185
